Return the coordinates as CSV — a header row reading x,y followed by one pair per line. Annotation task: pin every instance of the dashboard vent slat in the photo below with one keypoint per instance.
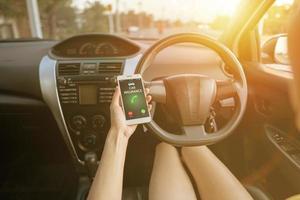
x,y
68,69
110,67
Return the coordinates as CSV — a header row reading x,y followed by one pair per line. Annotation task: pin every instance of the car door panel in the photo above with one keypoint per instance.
x,y
274,137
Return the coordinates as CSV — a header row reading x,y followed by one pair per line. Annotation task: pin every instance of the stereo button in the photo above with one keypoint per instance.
x,y
68,98
65,94
69,102
62,81
67,89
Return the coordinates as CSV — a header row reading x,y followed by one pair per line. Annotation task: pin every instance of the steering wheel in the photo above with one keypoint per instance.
x,y
189,97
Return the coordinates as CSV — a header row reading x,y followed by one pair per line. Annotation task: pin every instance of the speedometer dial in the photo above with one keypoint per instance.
x,y
86,49
106,49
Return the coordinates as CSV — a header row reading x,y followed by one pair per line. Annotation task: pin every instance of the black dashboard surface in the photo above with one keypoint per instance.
x,y
19,64
19,67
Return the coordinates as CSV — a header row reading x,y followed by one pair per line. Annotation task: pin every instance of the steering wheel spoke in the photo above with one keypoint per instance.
x,y
157,90
194,131
226,89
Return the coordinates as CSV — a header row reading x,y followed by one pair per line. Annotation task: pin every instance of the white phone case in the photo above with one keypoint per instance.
x,y
139,120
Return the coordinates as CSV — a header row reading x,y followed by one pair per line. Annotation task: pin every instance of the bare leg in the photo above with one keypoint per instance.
x,y
169,180
213,179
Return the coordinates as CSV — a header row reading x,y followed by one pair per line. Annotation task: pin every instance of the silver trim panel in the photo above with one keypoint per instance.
x,y
47,72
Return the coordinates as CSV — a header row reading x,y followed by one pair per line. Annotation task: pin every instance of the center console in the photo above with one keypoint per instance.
x,y
85,90
78,79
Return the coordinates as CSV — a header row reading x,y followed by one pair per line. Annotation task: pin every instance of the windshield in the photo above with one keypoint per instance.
x,y
59,19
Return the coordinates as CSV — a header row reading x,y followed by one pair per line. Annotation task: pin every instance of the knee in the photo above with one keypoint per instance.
x,y
163,148
197,151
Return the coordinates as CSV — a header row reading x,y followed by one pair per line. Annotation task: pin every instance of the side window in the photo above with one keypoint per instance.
x,y
273,32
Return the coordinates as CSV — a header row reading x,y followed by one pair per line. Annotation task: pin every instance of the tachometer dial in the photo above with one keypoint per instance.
x,y
106,49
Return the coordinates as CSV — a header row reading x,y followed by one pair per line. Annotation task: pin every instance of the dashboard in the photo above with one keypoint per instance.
x,y
75,79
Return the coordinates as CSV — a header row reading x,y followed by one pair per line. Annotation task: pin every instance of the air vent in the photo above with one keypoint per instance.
x,y
68,69
110,67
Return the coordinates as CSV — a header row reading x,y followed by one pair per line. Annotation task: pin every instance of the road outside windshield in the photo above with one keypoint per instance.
x,y
60,19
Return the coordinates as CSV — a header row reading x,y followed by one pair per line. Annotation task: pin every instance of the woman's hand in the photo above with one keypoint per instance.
x,y
118,121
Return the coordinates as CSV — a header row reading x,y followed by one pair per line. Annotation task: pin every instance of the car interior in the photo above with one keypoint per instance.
x,y
55,97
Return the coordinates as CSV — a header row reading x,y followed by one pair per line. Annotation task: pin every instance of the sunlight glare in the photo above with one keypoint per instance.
x,y
185,10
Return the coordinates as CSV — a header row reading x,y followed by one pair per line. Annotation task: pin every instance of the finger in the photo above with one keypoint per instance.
x,y
116,97
150,107
148,98
147,90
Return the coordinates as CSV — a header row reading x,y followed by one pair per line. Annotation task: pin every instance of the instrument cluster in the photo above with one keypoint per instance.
x,y
95,46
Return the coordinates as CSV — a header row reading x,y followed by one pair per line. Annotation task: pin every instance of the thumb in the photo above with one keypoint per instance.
x,y
116,97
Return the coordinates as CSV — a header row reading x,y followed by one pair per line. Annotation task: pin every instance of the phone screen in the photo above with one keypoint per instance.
x,y
134,101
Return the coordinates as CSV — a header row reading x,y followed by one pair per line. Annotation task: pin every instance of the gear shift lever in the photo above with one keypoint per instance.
x,y
91,163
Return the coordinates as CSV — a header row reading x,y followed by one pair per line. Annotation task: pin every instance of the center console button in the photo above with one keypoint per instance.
x,y
62,81
98,121
89,141
78,122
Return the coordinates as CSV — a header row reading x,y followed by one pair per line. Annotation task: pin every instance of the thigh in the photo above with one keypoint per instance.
x,y
169,179
213,178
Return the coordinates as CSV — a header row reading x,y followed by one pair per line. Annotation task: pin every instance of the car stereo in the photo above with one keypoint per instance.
x,y
88,83
86,90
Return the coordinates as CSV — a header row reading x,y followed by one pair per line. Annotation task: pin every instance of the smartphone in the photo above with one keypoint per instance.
x,y
133,99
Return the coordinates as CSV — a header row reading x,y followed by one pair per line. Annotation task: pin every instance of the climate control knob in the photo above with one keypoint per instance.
x,y
78,122
89,141
98,121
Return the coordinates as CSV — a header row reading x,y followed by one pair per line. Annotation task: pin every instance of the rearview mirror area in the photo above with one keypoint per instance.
x,y
275,50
